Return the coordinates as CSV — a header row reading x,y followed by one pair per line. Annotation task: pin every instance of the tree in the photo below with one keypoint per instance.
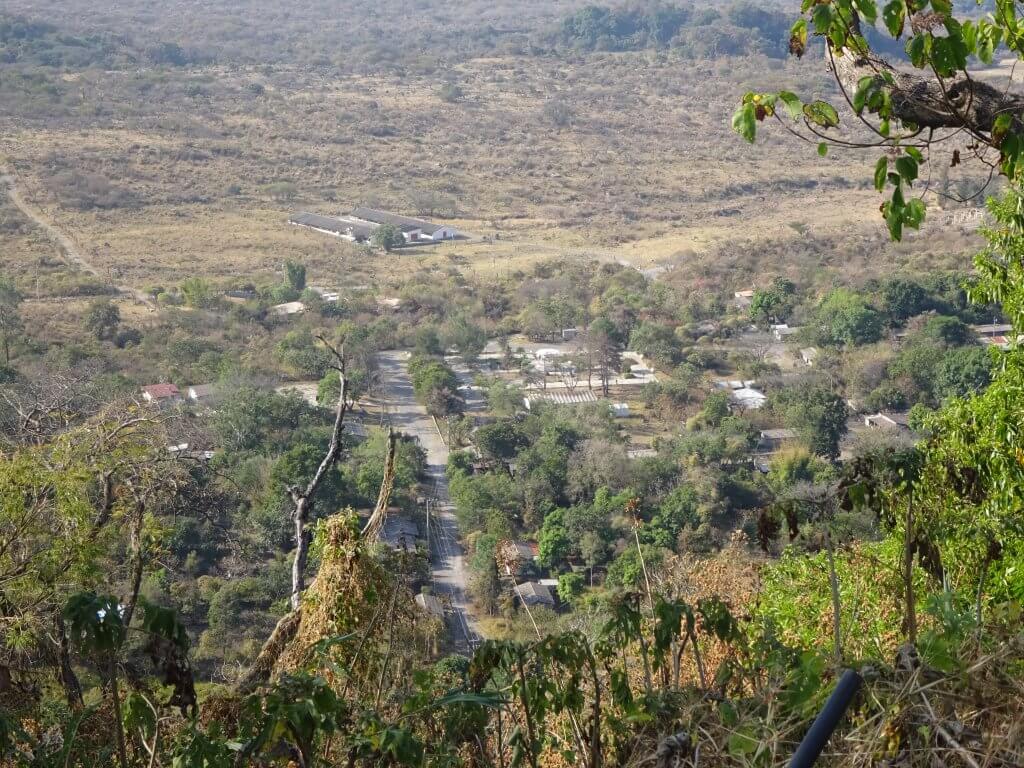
x,y
903,299
604,345
570,586
553,545
818,414
10,320
500,440
849,319
466,336
657,342
772,304
198,293
963,372
102,319
387,237
295,274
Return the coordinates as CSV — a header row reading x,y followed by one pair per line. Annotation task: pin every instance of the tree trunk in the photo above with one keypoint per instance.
x,y
928,102
68,678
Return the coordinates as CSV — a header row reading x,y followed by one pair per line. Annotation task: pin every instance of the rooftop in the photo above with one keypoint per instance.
x,y
404,223
161,391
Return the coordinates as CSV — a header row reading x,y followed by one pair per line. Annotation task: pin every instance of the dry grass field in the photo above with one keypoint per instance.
x,y
166,176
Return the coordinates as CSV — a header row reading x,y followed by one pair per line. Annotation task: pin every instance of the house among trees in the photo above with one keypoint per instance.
x,y
162,395
430,604
360,226
532,593
202,394
773,439
894,421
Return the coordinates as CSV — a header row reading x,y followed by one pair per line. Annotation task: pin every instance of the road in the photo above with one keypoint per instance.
x,y
70,248
448,565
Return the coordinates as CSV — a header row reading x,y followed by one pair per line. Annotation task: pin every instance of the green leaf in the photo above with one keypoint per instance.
x,y
917,49
793,104
822,149
868,10
914,212
881,168
894,14
822,18
822,113
744,122
906,167
864,86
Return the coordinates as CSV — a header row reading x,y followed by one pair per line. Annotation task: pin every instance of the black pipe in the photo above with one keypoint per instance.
x,y
827,720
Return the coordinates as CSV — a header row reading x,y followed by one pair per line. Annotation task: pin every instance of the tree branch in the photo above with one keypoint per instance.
x,y
303,499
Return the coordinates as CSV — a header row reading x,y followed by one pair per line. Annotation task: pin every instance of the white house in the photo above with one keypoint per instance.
x,y
289,308
620,410
895,421
413,230
748,398
781,330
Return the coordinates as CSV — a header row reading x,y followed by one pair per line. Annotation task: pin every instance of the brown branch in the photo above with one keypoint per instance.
x,y
960,102
259,673
303,499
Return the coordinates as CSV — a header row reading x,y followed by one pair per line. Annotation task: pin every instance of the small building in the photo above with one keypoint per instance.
x,y
202,394
748,398
560,397
400,533
185,451
569,334
809,355
988,330
773,439
532,593
781,331
414,230
341,226
289,308
897,421
430,604
513,556
162,395
620,410
641,453
743,299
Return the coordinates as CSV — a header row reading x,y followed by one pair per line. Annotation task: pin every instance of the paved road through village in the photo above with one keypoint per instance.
x,y
447,558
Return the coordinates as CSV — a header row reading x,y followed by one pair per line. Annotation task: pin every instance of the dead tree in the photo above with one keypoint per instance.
x,y
302,498
288,626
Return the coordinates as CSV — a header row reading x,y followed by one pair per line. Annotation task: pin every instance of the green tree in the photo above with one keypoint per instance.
x,y
963,372
295,274
553,542
850,320
500,440
198,293
102,319
818,414
466,336
903,299
387,237
570,586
